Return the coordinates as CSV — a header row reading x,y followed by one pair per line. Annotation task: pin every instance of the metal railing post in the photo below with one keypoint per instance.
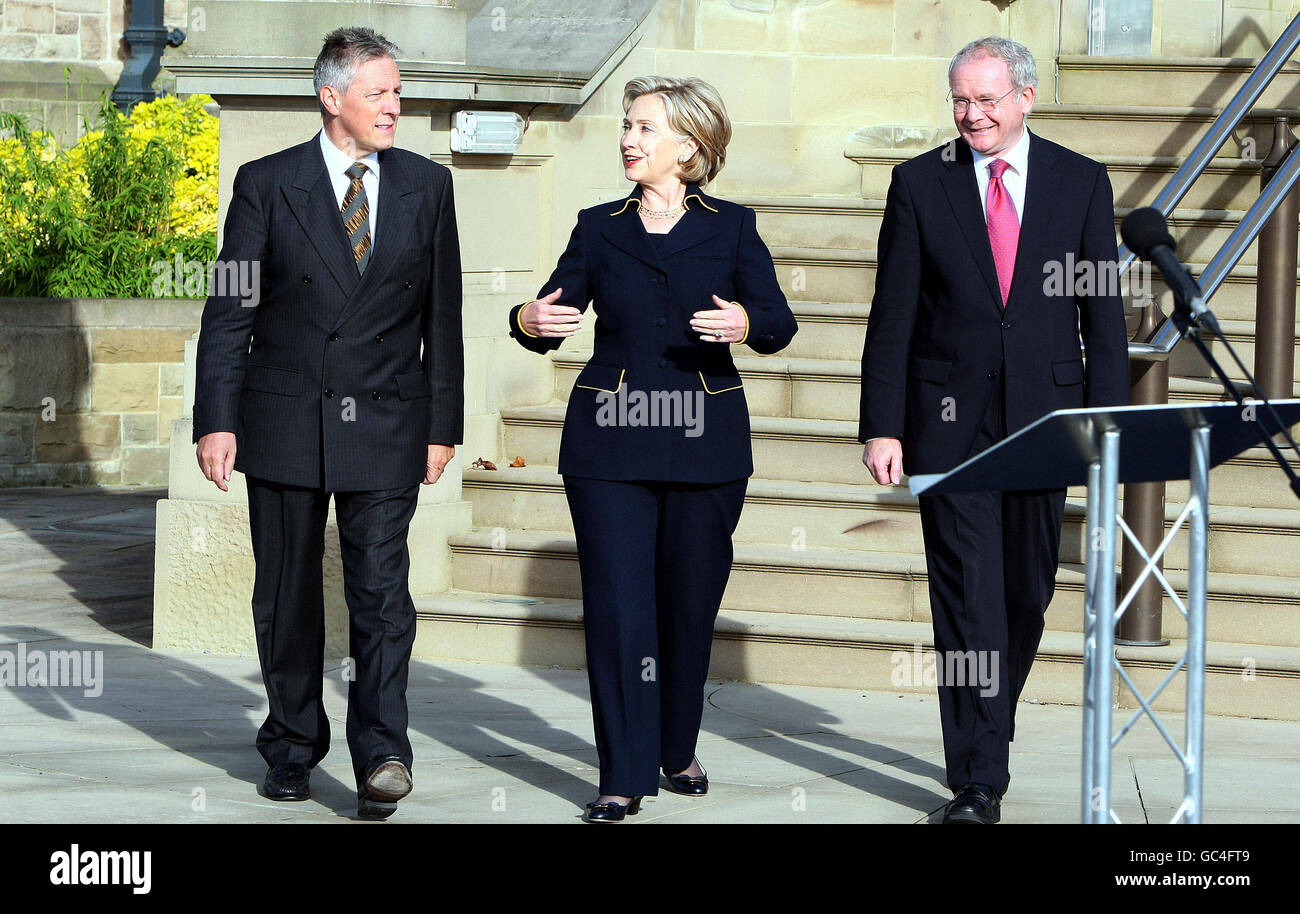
x,y
1275,290
1144,507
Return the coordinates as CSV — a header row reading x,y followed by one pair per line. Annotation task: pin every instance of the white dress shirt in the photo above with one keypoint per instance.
x,y
337,162
1013,179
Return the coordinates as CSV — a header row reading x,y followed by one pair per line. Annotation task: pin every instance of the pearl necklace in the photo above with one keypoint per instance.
x,y
660,213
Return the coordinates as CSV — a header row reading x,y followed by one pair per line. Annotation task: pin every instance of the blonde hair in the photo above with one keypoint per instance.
x,y
695,110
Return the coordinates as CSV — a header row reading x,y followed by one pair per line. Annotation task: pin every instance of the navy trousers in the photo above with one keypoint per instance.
x,y
288,531
991,558
654,558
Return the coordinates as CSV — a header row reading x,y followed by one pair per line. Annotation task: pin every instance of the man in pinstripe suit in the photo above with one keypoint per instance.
x,y
344,380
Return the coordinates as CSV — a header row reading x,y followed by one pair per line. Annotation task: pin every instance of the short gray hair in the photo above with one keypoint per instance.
x,y
1020,63
344,50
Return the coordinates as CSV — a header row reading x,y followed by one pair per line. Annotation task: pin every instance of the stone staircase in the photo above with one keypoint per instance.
x,y
829,583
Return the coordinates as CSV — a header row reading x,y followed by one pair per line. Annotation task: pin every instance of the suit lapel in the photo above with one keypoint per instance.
x,y
963,196
394,225
1041,189
623,228
311,198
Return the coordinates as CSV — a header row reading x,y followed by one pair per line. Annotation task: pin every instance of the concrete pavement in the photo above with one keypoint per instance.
x,y
168,737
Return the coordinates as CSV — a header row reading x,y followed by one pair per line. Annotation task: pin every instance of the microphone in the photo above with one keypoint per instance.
x,y
1145,233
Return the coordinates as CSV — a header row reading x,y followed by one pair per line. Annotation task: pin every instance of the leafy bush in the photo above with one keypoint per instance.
x,y
89,221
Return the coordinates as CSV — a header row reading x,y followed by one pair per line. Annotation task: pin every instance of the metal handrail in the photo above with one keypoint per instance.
x,y
1222,128
1161,342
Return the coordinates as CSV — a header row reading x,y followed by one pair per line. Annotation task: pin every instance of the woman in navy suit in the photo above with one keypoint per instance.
x,y
655,453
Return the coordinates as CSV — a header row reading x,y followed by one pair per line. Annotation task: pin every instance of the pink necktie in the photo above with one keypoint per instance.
x,y
1004,227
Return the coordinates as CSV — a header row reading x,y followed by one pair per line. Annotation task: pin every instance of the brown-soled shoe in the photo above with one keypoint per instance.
x,y
388,781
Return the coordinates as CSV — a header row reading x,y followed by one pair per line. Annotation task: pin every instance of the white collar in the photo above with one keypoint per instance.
x,y
1017,157
337,161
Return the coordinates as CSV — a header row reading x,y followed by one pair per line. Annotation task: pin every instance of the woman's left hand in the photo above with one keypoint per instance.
x,y
726,324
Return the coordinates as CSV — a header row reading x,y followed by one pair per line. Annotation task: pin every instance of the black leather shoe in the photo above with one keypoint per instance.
x,y
611,812
388,781
974,804
288,781
688,786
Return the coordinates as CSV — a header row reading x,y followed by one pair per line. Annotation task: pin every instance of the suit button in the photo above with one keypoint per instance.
x,y
662,322
306,278
1006,325
993,374
407,284
379,337
334,337
329,392
376,396
663,363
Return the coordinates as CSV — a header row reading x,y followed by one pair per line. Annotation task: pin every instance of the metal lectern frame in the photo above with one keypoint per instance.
x,y
1104,448
1099,639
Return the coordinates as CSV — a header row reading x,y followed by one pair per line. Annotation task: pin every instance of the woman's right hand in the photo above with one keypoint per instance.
x,y
543,317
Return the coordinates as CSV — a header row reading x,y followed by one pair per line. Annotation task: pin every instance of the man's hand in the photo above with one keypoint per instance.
x,y
439,454
884,458
216,454
544,317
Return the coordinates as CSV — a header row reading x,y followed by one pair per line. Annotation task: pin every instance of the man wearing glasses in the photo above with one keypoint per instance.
x,y
967,343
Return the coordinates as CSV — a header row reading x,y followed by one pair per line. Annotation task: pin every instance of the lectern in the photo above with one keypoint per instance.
x,y
1103,448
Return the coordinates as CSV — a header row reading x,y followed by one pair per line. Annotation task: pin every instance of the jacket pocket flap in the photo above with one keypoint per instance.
x,y
721,379
936,370
411,385
608,378
269,379
1068,372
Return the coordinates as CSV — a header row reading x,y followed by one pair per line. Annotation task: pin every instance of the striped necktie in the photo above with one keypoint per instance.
x,y
356,216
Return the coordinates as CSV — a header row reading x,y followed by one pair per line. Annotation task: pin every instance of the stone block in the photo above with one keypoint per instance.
x,y
138,345
79,437
145,465
127,388
17,437
40,364
139,428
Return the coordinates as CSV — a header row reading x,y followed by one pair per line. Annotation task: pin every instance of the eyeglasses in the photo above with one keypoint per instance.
x,y
987,105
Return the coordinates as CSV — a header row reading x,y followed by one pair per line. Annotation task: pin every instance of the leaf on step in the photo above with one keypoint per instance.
x,y
519,462
482,464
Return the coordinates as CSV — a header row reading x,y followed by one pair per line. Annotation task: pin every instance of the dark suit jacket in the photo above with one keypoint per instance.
x,y
938,339
333,390
644,299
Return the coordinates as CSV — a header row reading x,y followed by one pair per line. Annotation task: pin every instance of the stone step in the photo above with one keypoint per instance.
x,y
1143,130
1227,183
845,284
846,584
1204,82
837,330
844,223
828,451
871,654
867,518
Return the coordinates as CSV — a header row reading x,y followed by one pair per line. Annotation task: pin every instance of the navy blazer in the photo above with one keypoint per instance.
x,y
645,350
336,379
938,338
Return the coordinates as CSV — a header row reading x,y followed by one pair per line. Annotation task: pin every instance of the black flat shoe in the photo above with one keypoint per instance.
x,y
388,781
287,782
974,804
611,812
688,786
